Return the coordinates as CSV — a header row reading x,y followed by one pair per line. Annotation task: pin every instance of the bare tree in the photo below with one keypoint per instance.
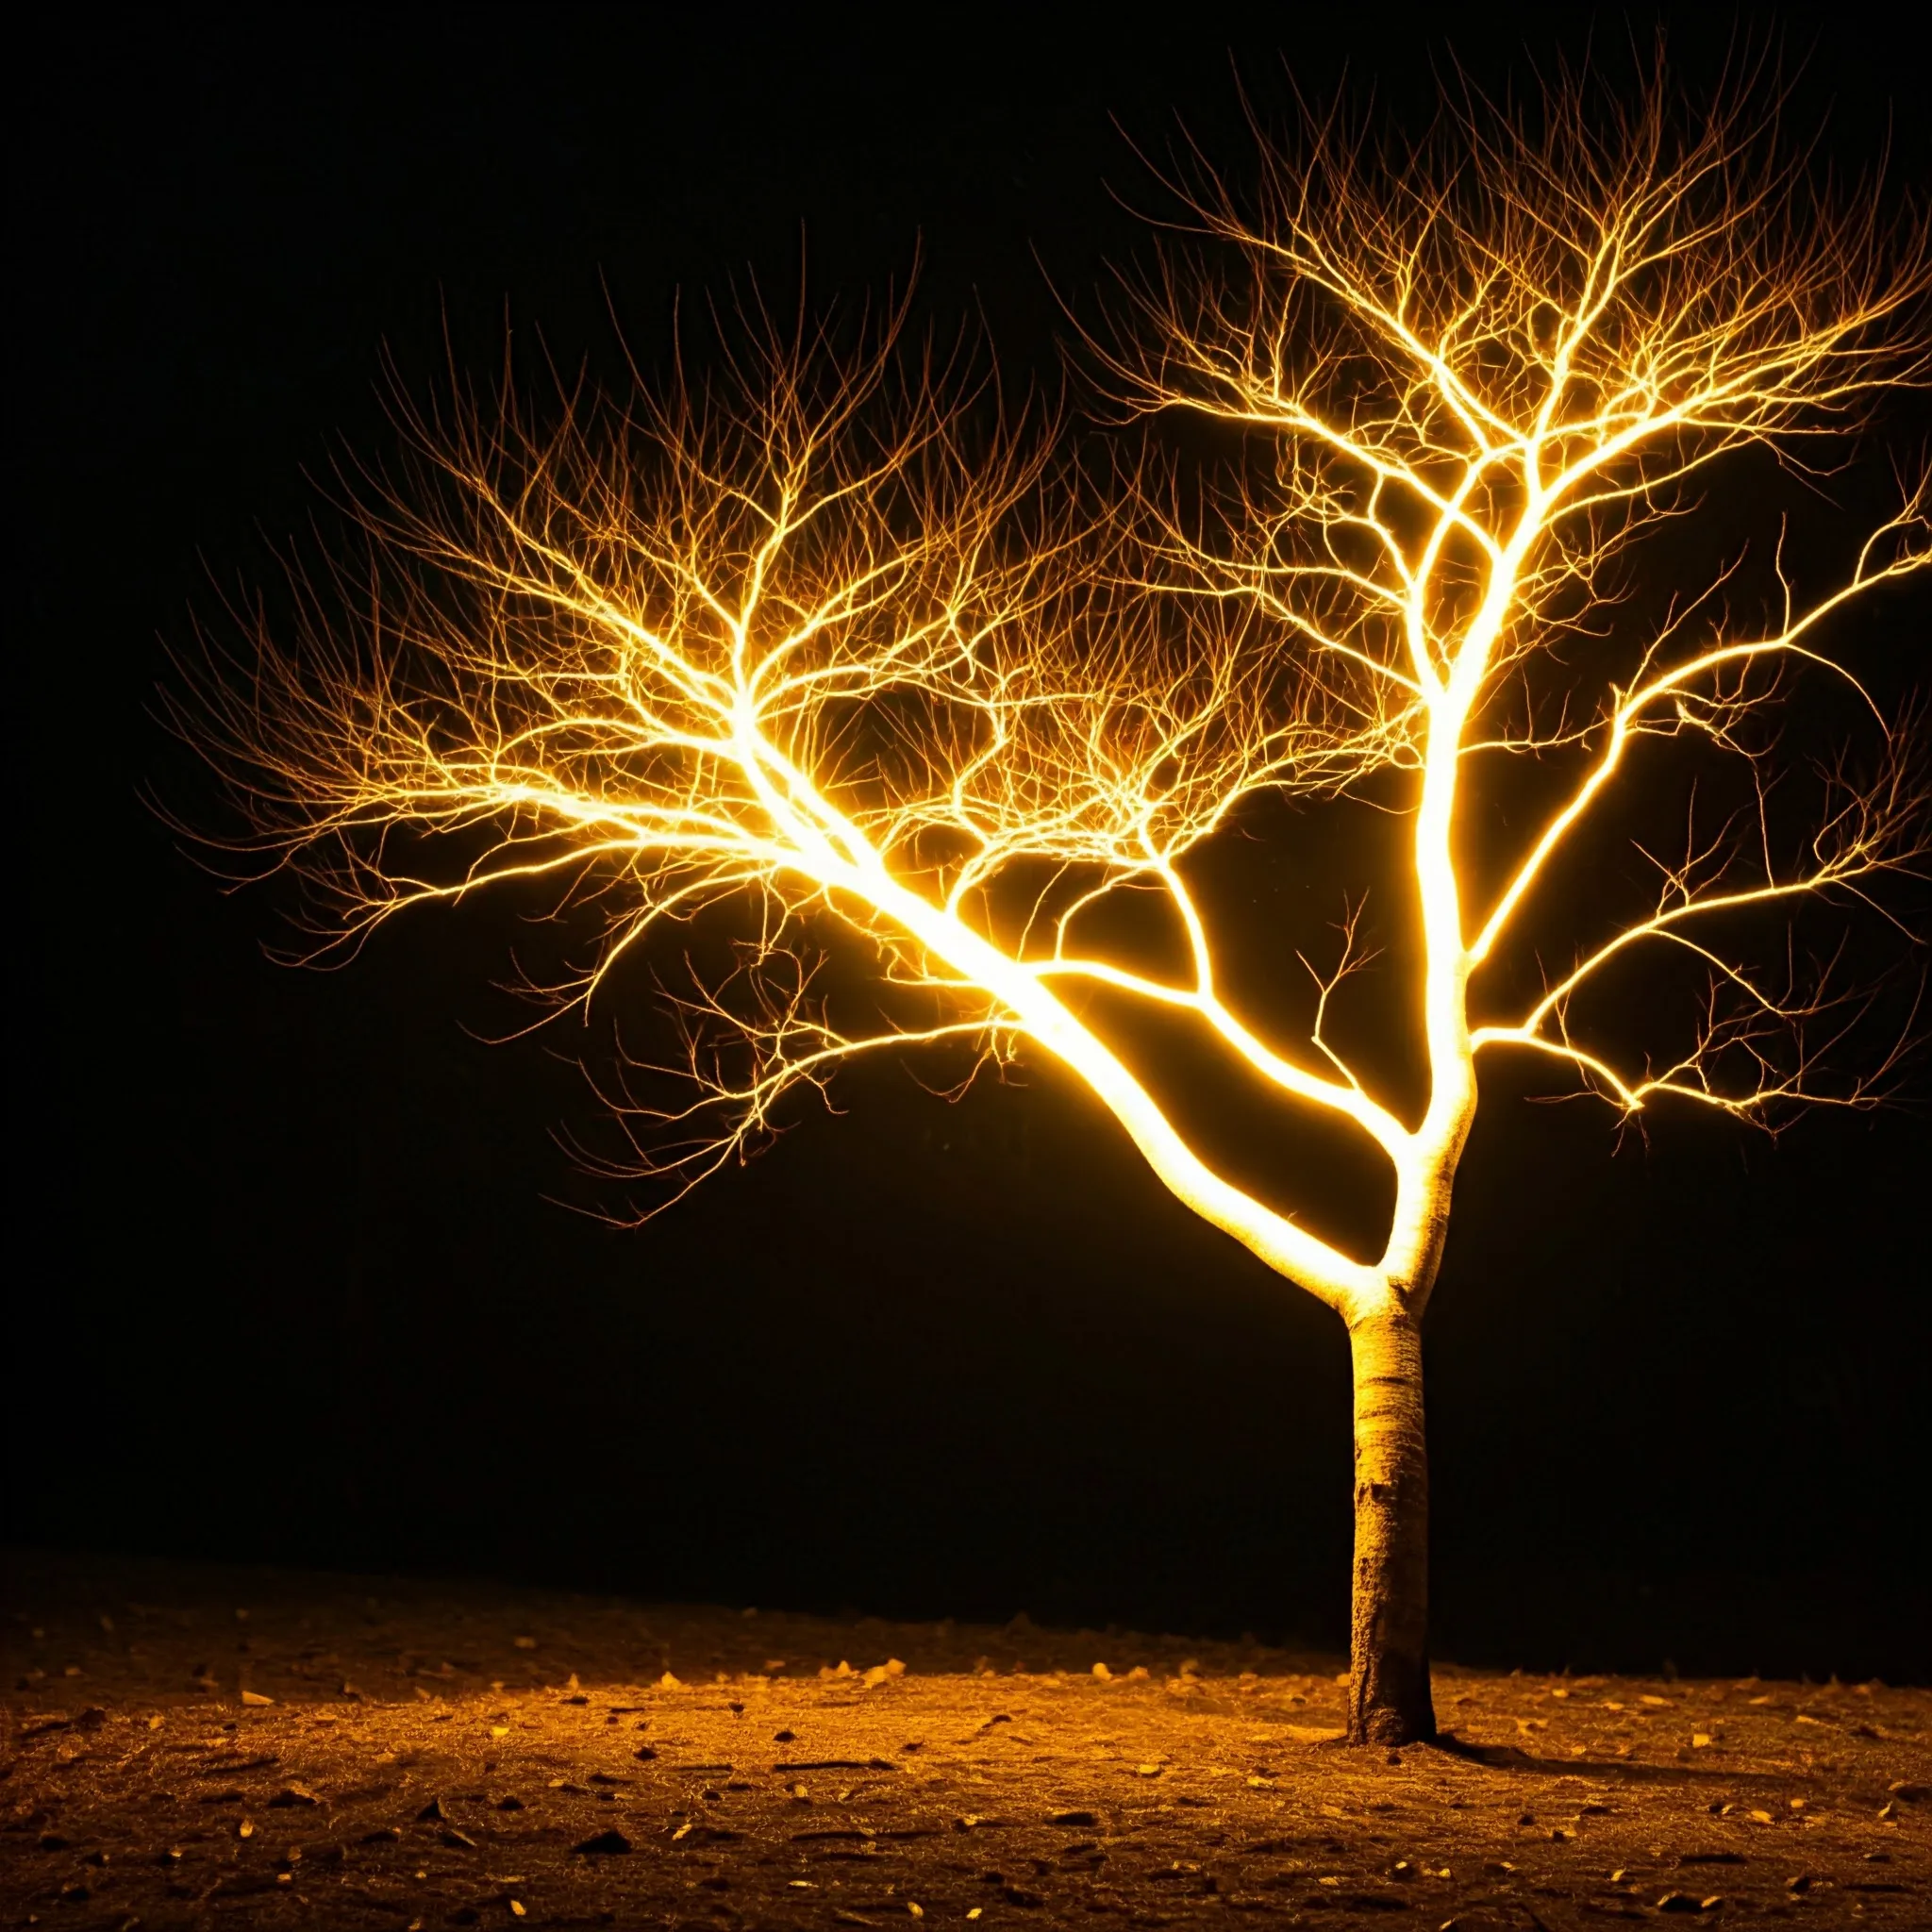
x,y
828,644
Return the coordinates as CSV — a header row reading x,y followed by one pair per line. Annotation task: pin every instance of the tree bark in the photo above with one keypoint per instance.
x,y
1388,1701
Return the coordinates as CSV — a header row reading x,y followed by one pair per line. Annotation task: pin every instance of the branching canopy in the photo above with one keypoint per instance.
x,y
834,634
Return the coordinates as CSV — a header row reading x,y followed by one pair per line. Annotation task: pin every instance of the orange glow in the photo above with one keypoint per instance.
x,y
812,643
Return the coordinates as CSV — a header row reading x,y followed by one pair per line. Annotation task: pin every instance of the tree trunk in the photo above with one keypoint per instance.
x,y
1388,1700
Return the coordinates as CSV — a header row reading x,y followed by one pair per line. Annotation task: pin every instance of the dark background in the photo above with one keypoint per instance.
x,y
285,1282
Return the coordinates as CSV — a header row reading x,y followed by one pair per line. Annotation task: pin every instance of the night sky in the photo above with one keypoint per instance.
x,y
290,1279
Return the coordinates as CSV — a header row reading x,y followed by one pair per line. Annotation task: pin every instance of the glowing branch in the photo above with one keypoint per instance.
x,y
1626,719
833,648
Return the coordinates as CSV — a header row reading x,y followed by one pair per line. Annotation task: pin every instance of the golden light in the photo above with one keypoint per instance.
x,y
831,638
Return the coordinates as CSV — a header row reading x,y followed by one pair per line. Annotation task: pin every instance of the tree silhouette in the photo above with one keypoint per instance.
x,y
831,646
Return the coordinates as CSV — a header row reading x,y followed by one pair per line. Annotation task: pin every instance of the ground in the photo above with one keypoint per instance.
x,y
188,1746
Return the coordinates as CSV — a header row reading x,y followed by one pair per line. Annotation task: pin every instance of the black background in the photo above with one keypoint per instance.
x,y
285,1282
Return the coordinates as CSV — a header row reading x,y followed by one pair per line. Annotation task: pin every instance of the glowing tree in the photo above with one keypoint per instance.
x,y
809,650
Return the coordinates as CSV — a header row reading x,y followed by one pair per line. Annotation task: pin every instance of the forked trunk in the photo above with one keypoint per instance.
x,y
1388,1701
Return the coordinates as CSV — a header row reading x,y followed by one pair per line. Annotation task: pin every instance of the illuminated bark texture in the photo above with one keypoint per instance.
x,y
1388,1701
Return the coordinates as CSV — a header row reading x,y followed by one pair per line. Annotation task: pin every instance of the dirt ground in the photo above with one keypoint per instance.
x,y
191,1746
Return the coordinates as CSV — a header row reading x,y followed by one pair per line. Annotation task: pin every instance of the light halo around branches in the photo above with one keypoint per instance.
x,y
837,634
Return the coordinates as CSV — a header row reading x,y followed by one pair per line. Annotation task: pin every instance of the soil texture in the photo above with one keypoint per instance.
x,y
192,1747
